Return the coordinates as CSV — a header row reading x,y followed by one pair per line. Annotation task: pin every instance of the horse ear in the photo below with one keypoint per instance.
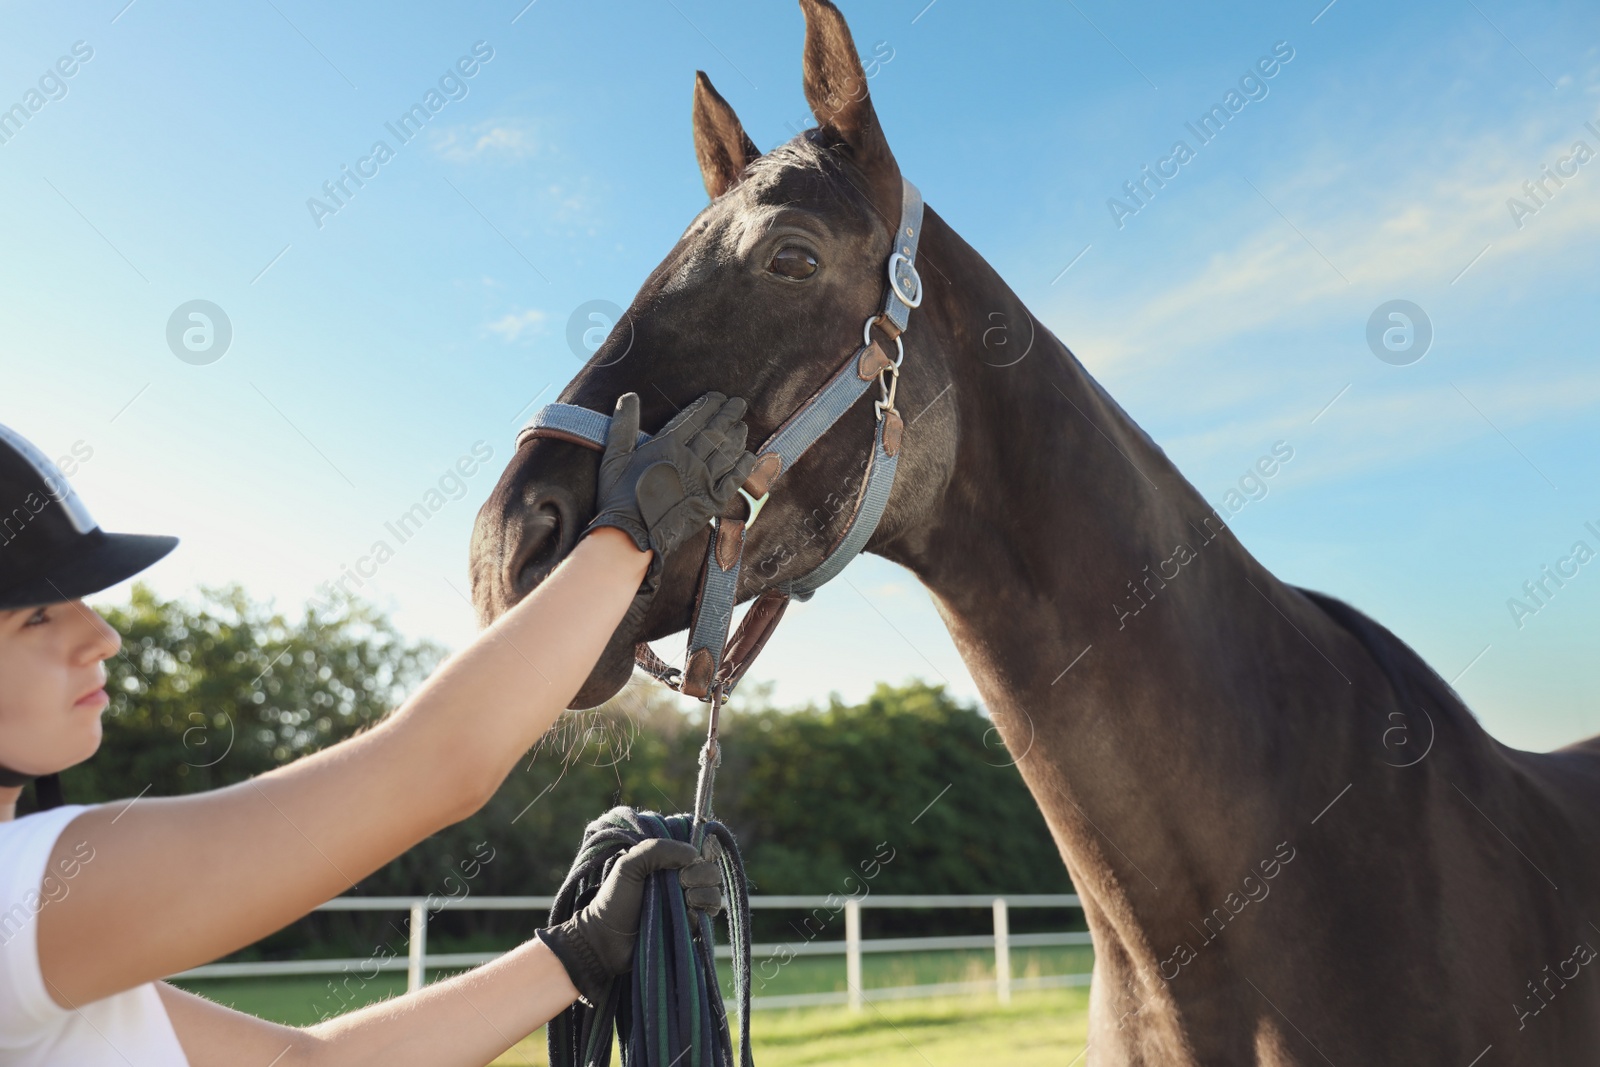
x,y
836,89
720,143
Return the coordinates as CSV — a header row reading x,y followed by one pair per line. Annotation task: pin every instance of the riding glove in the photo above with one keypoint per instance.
x,y
597,944
663,491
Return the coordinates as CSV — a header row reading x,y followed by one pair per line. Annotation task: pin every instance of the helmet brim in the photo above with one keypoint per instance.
x,y
109,558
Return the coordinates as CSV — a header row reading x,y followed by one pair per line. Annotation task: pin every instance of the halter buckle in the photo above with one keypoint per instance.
x,y
915,299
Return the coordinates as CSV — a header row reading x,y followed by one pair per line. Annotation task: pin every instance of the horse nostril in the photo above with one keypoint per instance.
x,y
541,547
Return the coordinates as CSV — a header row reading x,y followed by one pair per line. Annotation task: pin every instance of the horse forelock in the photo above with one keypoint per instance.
x,y
805,168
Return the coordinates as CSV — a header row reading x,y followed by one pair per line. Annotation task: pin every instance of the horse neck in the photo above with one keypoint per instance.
x,y
1153,681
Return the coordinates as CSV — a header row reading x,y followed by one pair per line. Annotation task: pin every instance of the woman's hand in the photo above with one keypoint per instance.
x,y
597,944
661,492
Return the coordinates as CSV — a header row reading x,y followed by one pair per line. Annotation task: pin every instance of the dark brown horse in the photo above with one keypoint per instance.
x,y
1293,841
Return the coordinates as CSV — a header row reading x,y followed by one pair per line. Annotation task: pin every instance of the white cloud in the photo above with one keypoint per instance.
x,y
513,325
1395,231
496,139
1251,330
1379,428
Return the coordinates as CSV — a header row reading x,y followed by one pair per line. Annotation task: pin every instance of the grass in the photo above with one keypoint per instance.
x,y
1037,1028
814,974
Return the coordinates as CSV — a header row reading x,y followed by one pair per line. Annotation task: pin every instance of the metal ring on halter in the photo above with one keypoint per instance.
x,y
915,300
899,345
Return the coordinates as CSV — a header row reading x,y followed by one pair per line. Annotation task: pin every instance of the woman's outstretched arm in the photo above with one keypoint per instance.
x,y
174,883
465,1021
177,882
468,1020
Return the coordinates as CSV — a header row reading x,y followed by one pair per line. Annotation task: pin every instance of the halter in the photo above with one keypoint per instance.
x,y
713,664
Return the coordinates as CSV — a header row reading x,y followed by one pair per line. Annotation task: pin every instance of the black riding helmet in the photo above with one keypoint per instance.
x,y
51,551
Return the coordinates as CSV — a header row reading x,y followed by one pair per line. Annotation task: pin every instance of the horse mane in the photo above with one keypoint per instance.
x,y
1413,680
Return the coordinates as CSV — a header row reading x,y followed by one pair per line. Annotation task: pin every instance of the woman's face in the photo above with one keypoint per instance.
x,y
52,682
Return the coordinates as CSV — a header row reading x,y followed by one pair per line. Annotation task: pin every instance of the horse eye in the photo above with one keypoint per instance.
x,y
793,262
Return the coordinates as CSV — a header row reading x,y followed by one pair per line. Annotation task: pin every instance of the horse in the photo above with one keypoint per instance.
x,y
1293,842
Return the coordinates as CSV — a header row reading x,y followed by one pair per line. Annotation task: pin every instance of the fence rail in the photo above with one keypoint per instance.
x,y
418,960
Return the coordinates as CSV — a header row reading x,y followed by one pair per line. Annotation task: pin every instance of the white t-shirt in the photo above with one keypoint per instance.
x,y
126,1030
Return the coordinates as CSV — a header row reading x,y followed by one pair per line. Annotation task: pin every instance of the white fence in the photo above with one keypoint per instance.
x,y
418,960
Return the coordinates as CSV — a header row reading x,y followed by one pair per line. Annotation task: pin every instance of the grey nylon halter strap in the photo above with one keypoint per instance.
x,y
713,665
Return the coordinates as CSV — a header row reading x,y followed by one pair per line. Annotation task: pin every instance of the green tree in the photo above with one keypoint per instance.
x,y
906,792
203,695
820,796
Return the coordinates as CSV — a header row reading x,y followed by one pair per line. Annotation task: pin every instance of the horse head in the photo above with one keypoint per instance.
x,y
763,297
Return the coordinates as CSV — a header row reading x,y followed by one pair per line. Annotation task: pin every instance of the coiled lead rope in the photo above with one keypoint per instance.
x,y
668,1011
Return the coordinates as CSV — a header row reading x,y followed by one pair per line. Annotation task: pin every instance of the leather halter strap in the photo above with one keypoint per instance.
x,y
714,665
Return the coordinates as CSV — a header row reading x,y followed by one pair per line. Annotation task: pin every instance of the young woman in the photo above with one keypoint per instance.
x,y
97,903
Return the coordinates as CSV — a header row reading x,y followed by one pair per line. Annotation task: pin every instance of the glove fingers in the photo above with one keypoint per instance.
x,y
623,433
738,437
686,423
728,487
700,874
704,445
658,854
722,428
720,451
725,417
707,899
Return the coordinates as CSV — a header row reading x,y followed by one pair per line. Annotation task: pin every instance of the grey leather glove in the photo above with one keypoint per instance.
x,y
662,492
597,944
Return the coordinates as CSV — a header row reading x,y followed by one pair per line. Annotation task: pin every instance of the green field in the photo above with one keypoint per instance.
x,y
1046,1027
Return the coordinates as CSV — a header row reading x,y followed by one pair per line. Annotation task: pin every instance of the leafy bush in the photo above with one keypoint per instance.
x,y
907,792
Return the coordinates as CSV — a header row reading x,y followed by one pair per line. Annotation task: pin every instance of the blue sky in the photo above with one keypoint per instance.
x,y
424,317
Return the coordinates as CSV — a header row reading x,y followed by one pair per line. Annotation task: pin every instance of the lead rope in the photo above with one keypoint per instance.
x,y
668,1011
710,760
